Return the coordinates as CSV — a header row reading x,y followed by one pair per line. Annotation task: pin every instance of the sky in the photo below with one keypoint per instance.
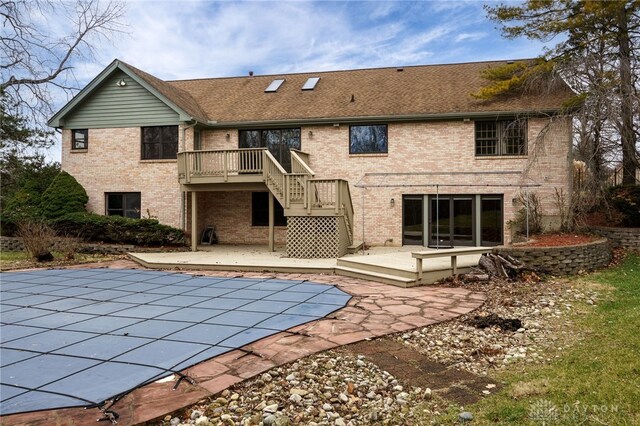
x,y
196,39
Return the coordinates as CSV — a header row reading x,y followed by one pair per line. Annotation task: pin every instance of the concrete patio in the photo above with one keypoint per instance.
x,y
375,310
389,265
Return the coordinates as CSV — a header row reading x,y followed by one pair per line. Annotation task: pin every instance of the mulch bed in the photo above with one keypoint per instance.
x,y
558,240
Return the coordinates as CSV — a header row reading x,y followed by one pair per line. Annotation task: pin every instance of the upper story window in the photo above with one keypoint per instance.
x,y
159,142
504,137
80,139
371,139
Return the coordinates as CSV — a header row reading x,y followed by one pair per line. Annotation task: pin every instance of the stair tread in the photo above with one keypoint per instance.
x,y
375,274
357,265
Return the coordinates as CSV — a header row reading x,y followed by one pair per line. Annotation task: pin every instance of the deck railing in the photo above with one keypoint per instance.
x,y
219,163
299,189
300,162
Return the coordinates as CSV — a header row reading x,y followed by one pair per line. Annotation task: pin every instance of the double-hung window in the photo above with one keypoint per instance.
x,y
159,142
503,137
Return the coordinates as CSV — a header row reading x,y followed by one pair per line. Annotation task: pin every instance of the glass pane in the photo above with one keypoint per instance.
x,y
440,220
291,138
114,201
250,139
491,221
412,232
368,139
150,151
463,221
132,201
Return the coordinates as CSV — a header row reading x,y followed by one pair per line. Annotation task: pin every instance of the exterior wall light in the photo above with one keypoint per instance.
x,y
310,133
393,202
227,136
121,83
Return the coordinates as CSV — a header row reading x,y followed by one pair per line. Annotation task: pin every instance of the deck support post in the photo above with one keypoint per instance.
x,y
272,218
194,221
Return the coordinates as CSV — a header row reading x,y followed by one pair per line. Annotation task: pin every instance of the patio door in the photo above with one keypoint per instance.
x,y
412,220
451,220
279,142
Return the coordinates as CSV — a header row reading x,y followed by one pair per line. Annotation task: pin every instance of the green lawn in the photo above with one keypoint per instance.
x,y
594,382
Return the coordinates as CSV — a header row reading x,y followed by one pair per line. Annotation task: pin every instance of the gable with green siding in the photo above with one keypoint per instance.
x,y
113,105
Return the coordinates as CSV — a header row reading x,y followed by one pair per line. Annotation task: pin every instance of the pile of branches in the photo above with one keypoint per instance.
x,y
497,266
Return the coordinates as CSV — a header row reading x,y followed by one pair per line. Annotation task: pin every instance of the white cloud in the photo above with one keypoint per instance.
x,y
470,36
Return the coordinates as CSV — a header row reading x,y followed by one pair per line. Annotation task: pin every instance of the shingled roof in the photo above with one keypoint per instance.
x,y
429,90
178,96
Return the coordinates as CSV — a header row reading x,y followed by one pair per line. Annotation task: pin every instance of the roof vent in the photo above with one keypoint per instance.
x,y
310,84
275,85
399,69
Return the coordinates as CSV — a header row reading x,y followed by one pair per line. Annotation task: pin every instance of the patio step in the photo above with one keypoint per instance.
x,y
385,270
375,276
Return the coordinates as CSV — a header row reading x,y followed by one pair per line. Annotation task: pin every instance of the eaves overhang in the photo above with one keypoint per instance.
x,y
380,119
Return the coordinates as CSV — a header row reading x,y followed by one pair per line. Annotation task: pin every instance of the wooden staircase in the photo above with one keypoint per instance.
x,y
306,199
319,211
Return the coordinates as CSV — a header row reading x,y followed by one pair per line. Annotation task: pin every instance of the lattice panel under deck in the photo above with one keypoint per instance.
x,y
312,237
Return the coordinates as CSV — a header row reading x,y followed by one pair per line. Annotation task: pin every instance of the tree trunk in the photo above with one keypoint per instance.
x,y
627,135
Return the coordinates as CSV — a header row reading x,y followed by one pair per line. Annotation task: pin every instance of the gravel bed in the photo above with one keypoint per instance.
x,y
334,388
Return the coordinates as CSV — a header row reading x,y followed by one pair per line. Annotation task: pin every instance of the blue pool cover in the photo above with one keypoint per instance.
x,y
81,337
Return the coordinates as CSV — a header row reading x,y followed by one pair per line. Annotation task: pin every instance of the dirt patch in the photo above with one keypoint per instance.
x,y
558,240
415,369
493,320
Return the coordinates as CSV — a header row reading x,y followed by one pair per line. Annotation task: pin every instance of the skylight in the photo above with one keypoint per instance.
x,y
275,85
310,84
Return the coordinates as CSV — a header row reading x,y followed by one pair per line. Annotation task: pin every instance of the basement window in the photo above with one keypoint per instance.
x,y
125,204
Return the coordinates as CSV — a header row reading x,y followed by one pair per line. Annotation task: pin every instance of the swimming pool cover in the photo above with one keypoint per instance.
x,y
81,337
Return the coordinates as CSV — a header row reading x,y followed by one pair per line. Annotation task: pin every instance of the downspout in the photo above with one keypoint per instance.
x,y
183,197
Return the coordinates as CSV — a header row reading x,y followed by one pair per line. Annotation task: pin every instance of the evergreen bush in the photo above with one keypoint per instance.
x,y
65,195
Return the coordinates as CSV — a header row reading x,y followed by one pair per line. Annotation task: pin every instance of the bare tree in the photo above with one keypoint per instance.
x,y
41,40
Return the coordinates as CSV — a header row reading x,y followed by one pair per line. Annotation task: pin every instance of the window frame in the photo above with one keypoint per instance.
x,y
279,218
74,141
386,133
503,138
161,143
124,209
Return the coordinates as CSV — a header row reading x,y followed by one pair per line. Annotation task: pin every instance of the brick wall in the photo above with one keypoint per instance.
x,y
442,151
565,260
230,212
112,164
445,151
628,238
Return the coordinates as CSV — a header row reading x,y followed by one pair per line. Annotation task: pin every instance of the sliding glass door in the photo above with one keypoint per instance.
x,y
451,220
412,220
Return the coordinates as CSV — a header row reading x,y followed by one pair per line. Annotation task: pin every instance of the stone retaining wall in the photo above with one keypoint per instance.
x,y
15,244
628,238
565,260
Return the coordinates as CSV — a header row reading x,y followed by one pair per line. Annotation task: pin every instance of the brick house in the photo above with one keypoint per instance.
x,y
319,161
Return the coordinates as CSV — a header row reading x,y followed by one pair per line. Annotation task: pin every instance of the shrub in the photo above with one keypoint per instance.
x,y
37,238
530,202
23,206
118,229
65,195
626,199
